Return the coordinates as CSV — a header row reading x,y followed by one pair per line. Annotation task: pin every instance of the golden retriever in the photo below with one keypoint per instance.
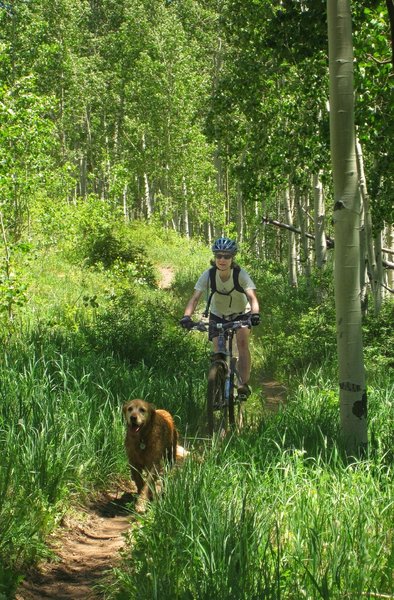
x,y
151,438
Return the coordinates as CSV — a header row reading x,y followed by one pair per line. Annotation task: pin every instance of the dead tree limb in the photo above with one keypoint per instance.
x,y
330,242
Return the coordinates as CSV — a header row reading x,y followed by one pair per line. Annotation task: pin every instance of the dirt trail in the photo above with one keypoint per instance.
x,y
87,546
274,395
166,276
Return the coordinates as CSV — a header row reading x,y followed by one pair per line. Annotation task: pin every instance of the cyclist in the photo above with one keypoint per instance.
x,y
231,297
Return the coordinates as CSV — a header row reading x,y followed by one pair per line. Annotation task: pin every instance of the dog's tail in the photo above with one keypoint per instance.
x,y
174,446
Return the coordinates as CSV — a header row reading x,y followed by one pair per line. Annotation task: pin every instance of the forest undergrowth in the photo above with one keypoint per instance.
x,y
275,513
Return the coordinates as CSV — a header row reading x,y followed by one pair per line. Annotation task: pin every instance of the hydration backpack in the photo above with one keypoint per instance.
x,y
212,286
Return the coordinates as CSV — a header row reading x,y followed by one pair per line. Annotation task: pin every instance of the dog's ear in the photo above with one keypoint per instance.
x,y
126,405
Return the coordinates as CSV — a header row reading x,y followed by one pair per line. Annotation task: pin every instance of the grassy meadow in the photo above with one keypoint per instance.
x,y
275,513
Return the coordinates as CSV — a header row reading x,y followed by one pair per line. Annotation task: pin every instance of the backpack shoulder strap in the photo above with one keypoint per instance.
x,y
211,289
212,279
237,285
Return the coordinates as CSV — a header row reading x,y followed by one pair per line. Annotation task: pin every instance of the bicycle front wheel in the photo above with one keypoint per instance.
x,y
235,405
217,414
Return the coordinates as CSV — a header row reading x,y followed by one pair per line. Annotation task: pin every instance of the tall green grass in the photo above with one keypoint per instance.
x,y
275,513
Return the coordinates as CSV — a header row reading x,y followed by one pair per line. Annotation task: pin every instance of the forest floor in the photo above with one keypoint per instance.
x,y
89,542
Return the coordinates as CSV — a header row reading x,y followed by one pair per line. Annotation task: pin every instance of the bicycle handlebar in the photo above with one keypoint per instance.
x,y
201,326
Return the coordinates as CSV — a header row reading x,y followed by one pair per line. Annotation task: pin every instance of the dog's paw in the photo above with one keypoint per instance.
x,y
141,506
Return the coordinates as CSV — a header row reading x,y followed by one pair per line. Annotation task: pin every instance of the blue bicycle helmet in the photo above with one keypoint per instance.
x,y
224,244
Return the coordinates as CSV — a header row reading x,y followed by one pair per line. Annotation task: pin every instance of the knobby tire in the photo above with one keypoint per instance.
x,y
235,409
216,419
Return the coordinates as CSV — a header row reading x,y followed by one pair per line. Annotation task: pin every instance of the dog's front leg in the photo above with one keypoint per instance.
x,y
136,476
146,491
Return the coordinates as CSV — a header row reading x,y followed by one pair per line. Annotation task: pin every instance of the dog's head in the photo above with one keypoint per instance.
x,y
137,413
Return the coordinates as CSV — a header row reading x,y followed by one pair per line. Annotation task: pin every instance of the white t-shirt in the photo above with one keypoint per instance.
x,y
225,305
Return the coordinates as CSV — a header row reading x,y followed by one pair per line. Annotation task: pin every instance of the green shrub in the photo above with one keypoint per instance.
x,y
141,326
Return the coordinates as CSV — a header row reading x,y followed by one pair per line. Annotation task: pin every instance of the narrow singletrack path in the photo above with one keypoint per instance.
x,y
274,395
86,547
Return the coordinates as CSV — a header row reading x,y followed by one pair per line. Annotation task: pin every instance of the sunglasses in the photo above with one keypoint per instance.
x,y
225,256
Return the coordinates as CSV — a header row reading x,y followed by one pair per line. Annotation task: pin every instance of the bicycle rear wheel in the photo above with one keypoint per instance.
x,y
217,413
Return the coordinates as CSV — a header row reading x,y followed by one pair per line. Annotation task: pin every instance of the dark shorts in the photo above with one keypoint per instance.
x,y
213,319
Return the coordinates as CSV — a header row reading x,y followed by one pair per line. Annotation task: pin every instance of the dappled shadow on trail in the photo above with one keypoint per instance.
x,y
86,547
109,507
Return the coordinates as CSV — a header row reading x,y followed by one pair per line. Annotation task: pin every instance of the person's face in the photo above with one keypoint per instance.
x,y
223,260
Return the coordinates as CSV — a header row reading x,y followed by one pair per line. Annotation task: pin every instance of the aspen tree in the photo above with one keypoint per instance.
x,y
347,207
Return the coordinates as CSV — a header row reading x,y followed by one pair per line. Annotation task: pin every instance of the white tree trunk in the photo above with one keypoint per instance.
x,y
370,250
319,222
352,389
380,271
125,206
186,210
303,239
147,195
389,237
363,267
240,215
292,248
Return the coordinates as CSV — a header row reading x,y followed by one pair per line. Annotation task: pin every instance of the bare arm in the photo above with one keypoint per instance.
x,y
192,304
254,303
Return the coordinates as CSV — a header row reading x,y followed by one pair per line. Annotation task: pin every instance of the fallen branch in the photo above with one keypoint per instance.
x,y
329,241
269,221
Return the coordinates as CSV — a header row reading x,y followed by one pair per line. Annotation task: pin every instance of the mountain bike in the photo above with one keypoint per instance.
x,y
224,404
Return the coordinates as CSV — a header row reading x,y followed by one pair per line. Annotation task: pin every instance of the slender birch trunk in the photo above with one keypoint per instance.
x,y
186,220
363,267
126,215
380,272
319,222
303,239
147,194
240,215
292,248
370,250
352,389
389,230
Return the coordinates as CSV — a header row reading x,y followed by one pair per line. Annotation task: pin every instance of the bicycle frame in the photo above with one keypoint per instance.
x,y
225,347
221,378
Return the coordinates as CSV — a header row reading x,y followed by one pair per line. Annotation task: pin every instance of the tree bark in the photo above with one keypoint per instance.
x,y
346,216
